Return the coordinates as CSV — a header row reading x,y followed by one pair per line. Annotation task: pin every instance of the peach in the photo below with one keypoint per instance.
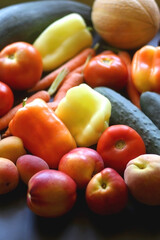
x,y
107,193
142,176
81,164
9,177
28,165
51,193
11,148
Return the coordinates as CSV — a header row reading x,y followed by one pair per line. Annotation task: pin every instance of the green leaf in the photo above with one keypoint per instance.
x,y
54,86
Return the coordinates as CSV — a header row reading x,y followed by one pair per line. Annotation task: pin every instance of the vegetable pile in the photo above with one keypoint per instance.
x,y
82,122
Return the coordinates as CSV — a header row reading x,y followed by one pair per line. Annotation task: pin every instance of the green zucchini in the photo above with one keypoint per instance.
x,y
6,3
124,112
25,21
150,105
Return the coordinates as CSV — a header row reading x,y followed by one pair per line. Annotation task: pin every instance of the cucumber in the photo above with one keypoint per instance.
x,y
124,112
25,21
150,105
6,3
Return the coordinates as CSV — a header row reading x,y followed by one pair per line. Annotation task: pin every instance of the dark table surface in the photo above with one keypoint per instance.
x,y
17,222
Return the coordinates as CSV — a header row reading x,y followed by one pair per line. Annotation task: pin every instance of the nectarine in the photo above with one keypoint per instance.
x,y
51,193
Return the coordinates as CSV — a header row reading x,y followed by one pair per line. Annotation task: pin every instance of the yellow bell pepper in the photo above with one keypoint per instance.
x,y
86,114
62,40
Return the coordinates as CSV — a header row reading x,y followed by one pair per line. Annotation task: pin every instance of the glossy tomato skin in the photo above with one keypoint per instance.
x,y
20,65
119,144
106,69
6,98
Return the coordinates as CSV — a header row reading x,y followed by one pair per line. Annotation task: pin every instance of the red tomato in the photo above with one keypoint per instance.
x,y
106,69
20,65
119,144
6,98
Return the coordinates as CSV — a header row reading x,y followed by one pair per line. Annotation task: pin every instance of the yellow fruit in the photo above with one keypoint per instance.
x,y
12,148
126,24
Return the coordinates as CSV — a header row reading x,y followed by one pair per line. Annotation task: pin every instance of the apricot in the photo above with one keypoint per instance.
x,y
11,148
9,177
28,165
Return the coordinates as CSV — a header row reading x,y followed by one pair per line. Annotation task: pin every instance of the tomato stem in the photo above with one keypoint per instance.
x,y
120,144
11,56
107,61
104,185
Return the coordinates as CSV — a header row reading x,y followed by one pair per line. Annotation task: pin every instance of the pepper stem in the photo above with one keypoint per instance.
x,y
96,46
24,102
55,84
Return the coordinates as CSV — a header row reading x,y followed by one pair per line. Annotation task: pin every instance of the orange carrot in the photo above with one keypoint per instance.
x,y
72,64
73,79
4,121
132,92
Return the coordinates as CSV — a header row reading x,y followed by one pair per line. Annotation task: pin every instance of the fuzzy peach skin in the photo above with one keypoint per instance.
x,y
9,177
28,165
81,164
107,193
51,193
142,176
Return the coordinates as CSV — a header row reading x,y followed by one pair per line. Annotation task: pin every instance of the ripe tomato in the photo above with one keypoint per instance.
x,y
20,65
6,98
119,144
106,69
